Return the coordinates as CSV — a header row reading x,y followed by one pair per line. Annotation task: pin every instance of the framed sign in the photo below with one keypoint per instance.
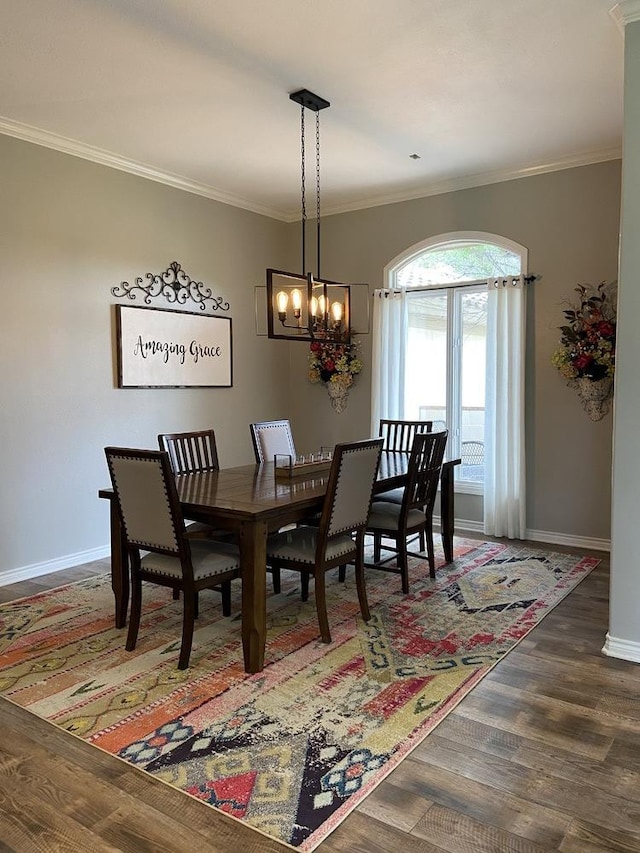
x,y
172,349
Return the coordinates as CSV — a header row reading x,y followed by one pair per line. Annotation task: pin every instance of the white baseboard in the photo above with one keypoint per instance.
x,y
582,542
465,525
35,570
548,536
623,649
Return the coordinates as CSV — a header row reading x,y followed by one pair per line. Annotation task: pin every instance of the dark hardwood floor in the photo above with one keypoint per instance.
x,y
543,755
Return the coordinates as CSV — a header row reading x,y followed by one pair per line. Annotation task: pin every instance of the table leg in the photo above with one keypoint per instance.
x,y
253,558
447,515
119,567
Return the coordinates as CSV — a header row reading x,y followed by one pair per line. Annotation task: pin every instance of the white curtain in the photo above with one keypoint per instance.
x,y
390,325
504,486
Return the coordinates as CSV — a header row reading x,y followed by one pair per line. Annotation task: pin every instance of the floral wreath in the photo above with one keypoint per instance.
x,y
334,364
588,341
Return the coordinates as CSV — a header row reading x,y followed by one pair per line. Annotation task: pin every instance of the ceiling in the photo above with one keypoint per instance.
x,y
195,92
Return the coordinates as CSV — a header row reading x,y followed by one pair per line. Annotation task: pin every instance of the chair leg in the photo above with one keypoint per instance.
x,y
377,547
321,606
304,586
361,586
275,575
403,563
196,605
430,553
421,542
134,618
225,588
342,573
176,594
187,629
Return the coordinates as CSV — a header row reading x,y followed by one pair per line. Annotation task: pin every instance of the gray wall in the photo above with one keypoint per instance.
x,y
569,222
69,231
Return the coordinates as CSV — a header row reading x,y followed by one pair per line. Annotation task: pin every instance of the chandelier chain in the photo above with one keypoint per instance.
x,y
318,188
303,184
302,306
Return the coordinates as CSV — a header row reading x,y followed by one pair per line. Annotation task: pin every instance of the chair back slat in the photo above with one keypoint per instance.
x,y
190,452
424,470
398,435
272,438
353,473
147,500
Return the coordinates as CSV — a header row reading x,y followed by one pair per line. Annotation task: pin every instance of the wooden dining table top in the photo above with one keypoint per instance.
x,y
254,491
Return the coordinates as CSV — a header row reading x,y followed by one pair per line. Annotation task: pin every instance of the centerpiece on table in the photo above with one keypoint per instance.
x,y
587,351
335,365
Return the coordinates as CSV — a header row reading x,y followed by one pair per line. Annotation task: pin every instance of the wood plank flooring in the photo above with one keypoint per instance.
x,y
543,755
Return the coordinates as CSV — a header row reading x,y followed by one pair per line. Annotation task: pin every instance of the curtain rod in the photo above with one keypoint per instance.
x,y
527,279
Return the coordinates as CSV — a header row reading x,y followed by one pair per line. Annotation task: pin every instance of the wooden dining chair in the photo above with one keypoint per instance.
x,y
398,435
398,438
147,500
190,452
396,522
339,538
272,438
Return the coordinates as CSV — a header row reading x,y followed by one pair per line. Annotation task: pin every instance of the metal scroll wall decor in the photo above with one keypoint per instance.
x,y
175,285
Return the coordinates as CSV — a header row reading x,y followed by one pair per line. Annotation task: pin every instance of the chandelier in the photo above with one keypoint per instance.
x,y
304,307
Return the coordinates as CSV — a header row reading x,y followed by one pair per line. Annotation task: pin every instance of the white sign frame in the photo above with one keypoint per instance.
x,y
159,348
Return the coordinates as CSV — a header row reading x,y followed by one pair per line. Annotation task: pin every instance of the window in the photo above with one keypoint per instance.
x,y
445,338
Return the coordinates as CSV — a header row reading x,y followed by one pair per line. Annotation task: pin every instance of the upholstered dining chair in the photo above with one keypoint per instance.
x,y
396,522
339,538
272,438
151,517
269,439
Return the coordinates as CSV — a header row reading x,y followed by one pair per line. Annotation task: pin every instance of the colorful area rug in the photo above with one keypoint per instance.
x,y
291,750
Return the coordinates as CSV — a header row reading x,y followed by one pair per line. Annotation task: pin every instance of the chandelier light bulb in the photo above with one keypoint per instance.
x,y
282,301
296,301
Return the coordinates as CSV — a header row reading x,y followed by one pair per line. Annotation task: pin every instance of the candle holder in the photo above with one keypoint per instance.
x,y
289,467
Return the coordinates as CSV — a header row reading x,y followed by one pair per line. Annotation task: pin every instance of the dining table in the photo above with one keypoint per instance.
x,y
251,502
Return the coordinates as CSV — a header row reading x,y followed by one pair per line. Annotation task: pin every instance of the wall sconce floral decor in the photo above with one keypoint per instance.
x,y
335,365
587,351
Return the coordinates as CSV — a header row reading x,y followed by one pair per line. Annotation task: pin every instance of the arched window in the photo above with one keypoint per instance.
x,y
441,329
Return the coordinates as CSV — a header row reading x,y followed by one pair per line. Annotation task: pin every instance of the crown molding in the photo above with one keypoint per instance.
x,y
480,180
625,12
115,161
